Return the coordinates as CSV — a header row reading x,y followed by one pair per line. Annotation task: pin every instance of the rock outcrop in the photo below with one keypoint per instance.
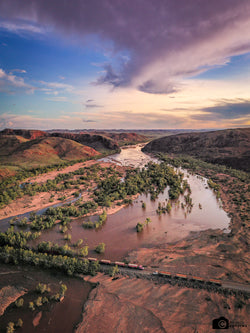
x,y
230,147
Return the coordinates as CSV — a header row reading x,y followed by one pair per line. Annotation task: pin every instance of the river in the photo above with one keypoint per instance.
x,y
119,233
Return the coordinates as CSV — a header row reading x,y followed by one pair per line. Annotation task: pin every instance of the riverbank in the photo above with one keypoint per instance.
x,y
44,199
210,253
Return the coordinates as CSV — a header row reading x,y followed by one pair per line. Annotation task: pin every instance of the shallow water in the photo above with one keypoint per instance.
x,y
56,316
119,233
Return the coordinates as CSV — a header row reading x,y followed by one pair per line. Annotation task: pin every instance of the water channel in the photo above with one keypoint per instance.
x,y
120,236
119,233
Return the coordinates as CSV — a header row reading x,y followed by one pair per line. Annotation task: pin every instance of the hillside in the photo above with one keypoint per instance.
x,y
27,134
41,151
125,138
230,147
96,141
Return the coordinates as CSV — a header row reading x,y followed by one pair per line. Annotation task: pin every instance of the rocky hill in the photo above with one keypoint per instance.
x,y
27,134
15,150
230,147
96,141
127,138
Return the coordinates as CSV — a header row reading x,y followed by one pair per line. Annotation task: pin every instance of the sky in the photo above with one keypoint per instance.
x,y
124,64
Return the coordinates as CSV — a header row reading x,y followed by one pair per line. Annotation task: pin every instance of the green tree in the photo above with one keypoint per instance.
x,y
139,227
100,248
113,271
31,306
94,267
45,300
63,289
10,327
41,288
19,302
84,251
19,323
78,243
169,207
38,301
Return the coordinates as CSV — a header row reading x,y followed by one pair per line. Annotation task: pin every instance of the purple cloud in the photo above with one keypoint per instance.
x,y
166,40
225,109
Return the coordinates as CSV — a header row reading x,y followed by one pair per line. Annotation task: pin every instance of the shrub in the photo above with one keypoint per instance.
x,y
19,302
139,227
41,288
113,271
31,306
10,327
100,248
19,323
38,301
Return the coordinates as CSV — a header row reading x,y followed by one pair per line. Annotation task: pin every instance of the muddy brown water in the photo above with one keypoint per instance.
x,y
120,236
56,316
119,233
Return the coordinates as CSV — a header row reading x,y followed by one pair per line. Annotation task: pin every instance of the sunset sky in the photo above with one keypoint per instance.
x,y
127,64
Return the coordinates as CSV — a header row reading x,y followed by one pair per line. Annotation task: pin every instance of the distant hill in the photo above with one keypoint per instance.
x,y
230,147
27,134
124,138
96,141
15,150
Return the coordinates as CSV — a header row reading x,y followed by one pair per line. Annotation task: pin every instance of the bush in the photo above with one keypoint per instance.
x,y
19,302
67,237
10,327
31,306
139,227
84,251
19,323
38,301
63,289
113,271
41,288
100,248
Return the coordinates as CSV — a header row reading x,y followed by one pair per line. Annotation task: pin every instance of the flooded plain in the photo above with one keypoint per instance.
x,y
120,236
51,317
119,231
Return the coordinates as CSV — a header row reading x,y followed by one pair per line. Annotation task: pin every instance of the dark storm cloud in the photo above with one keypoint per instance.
x,y
150,30
153,87
225,110
110,77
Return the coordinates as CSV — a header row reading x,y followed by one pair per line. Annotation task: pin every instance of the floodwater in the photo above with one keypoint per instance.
x,y
119,233
55,316
130,156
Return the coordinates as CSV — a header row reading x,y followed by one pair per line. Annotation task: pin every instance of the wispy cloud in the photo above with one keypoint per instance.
x,y
21,71
58,99
58,85
90,105
21,27
11,84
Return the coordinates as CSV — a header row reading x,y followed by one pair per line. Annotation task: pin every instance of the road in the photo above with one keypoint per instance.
x,y
226,287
